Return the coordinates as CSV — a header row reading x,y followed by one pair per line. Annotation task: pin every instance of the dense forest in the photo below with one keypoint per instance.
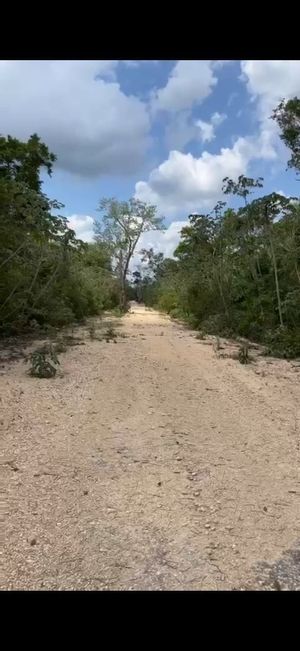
x,y
235,271
48,276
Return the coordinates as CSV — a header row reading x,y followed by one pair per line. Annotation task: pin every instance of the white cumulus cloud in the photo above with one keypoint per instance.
x,y
271,81
182,129
83,225
268,82
190,82
160,241
208,129
136,63
183,183
79,110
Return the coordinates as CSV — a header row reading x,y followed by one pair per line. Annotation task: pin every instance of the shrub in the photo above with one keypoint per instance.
x,y
92,331
110,335
283,343
44,362
243,354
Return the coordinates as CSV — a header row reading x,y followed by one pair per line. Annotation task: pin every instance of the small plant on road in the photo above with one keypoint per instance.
x,y
92,331
110,335
217,345
44,362
243,354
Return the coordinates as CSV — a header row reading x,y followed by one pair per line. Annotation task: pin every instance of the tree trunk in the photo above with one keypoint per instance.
x,y
13,254
123,300
276,280
219,281
297,272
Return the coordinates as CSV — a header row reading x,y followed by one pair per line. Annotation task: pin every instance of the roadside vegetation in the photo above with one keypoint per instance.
x,y
236,271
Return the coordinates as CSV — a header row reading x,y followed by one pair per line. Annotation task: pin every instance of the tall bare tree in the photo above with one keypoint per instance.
x,y
121,226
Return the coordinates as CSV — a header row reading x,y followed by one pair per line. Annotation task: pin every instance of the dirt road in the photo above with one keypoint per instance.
x,y
151,464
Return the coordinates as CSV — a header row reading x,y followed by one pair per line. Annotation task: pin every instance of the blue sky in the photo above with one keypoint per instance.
x,y
164,131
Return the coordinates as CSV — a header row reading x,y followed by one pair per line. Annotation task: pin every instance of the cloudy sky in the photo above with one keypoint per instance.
x,y
166,132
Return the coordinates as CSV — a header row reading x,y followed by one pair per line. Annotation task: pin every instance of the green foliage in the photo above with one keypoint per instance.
x,y
283,342
47,276
287,115
237,271
241,188
21,162
44,362
168,300
118,311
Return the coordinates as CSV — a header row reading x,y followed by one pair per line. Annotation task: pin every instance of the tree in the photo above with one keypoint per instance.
x,y
153,260
237,271
47,275
22,161
242,187
122,225
137,281
264,211
287,116
144,277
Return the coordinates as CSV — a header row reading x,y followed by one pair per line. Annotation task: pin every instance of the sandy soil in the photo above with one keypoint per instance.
x,y
156,463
